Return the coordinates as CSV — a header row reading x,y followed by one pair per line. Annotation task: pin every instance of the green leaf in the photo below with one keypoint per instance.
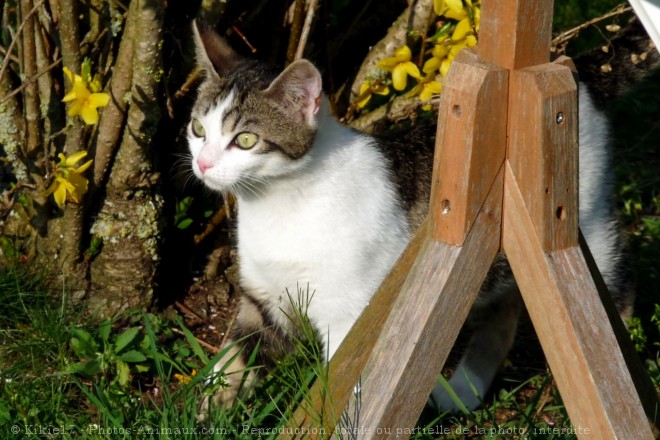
x,y
83,345
86,71
81,334
104,329
132,356
141,368
199,351
123,373
89,369
126,338
184,224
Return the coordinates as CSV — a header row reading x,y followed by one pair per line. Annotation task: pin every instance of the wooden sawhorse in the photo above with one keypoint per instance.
x,y
505,178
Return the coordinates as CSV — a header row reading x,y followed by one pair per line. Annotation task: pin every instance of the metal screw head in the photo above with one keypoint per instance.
x,y
560,117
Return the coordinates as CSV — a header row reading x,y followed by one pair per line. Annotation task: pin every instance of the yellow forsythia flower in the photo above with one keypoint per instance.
x,y
426,88
453,9
83,101
401,67
367,89
69,184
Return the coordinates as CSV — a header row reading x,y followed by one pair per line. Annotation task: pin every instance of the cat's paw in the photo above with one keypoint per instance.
x,y
468,390
224,398
231,378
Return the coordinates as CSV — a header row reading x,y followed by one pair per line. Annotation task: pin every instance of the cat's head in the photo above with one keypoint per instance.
x,y
249,124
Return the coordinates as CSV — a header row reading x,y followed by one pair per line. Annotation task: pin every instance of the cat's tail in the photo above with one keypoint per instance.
x,y
630,56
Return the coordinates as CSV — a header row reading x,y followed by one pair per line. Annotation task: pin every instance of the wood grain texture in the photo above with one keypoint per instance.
x,y
573,327
427,316
643,385
515,33
472,142
544,154
324,404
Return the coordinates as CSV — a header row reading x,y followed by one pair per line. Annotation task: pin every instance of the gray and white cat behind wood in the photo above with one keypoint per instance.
x,y
330,209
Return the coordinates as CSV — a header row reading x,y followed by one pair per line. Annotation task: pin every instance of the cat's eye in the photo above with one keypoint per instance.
x,y
246,140
197,128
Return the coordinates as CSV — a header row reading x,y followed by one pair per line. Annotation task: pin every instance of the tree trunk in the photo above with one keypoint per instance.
x,y
129,222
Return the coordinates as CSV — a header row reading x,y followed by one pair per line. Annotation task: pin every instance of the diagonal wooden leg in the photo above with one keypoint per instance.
x,y
323,406
439,292
540,239
574,330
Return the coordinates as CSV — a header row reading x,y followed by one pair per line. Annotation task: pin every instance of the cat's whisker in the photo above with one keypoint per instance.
x,y
245,184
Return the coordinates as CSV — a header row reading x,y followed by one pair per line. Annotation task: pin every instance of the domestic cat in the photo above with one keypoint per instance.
x,y
328,208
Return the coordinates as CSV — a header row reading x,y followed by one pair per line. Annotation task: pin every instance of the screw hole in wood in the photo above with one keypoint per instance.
x,y
445,207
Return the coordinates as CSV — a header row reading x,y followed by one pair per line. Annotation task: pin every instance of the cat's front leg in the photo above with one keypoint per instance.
x,y
235,379
254,336
494,327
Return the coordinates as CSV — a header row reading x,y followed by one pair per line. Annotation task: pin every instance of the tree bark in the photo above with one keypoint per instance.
x,y
129,222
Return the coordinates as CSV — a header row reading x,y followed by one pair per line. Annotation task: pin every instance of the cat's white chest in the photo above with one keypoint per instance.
x,y
334,236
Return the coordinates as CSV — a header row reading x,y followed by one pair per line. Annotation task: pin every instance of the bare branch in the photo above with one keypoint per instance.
x,y
31,94
18,34
113,116
309,20
564,37
414,20
296,30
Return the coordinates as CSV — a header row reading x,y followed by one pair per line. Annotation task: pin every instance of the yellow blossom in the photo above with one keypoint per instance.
x,y
453,9
426,88
401,67
83,102
185,379
367,89
69,184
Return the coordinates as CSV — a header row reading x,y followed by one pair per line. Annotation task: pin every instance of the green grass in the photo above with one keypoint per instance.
x,y
66,375
132,392
39,393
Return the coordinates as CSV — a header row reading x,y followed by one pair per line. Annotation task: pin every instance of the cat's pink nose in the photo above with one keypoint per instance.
x,y
203,165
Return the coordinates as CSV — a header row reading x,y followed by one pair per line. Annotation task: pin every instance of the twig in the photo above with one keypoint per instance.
x,y
185,309
229,326
194,76
112,119
309,19
31,95
18,33
215,221
244,38
296,30
204,344
32,80
4,53
572,33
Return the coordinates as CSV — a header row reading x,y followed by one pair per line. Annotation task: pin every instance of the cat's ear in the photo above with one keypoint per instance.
x,y
212,52
298,91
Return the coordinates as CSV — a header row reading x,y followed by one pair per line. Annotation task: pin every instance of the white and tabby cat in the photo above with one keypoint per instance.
x,y
324,206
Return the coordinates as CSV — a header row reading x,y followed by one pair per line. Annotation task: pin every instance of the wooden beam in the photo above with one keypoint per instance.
x,y
515,33
323,406
544,154
573,327
643,385
430,311
471,144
